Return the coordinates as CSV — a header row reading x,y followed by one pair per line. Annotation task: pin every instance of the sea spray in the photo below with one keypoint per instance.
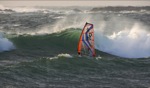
x,y
5,44
69,21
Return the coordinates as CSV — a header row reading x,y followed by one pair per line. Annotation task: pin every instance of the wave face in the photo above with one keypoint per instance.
x,y
116,32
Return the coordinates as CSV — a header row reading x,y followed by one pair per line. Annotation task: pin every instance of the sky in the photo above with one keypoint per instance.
x,y
75,3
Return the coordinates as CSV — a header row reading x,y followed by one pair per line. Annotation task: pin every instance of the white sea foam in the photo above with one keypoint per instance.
x,y
61,55
5,44
123,37
130,43
25,9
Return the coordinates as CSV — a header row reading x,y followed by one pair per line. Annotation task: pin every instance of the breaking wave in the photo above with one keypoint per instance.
x,y
116,35
129,43
25,9
5,44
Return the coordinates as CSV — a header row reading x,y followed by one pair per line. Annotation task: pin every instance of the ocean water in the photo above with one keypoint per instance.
x,y
38,47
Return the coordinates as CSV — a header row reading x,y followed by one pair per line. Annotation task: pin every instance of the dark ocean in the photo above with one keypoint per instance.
x,y
38,47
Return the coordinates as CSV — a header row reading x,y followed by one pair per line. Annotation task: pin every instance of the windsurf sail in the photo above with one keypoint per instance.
x,y
86,41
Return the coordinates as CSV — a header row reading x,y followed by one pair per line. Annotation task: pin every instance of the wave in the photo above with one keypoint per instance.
x,y
116,35
127,43
121,8
18,9
132,43
25,9
5,44
137,12
112,32
4,9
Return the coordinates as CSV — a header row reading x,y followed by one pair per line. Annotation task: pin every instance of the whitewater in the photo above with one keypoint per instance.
x,y
5,44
